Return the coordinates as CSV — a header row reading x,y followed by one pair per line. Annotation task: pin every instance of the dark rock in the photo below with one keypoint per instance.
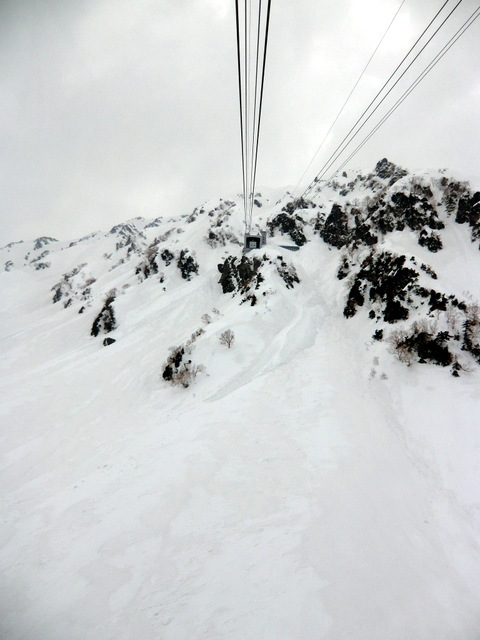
x,y
289,225
41,242
387,280
394,311
167,256
239,277
385,169
105,322
335,231
431,241
187,264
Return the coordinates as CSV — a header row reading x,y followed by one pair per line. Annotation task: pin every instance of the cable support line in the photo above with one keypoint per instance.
x,y
466,25
349,95
388,93
247,101
242,134
252,24
350,135
262,84
255,110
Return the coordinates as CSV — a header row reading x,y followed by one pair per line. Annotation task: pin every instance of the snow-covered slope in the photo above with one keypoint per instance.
x,y
318,479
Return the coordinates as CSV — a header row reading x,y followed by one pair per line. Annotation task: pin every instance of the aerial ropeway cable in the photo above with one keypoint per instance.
x,y
430,66
252,26
352,91
370,110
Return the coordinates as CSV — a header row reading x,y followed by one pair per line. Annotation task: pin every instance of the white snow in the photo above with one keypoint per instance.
x,y
307,486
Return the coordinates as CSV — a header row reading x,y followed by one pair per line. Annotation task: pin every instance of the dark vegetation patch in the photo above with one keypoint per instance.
x,y
414,211
185,261
187,264
149,266
468,212
382,278
444,338
290,225
167,256
422,343
74,285
179,369
287,272
42,242
105,322
335,230
129,237
387,170
380,215
245,276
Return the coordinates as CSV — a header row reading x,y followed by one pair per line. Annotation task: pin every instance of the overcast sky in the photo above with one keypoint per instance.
x,y
112,109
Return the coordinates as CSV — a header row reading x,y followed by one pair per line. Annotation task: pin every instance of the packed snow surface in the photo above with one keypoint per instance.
x,y
307,485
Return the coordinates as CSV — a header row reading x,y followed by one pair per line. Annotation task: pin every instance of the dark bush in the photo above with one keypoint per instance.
x,y
394,311
239,277
167,256
432,242
289,225
187,264
335,231
105,322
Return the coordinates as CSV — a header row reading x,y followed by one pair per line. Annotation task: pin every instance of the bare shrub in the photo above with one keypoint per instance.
x,y
180,372
471,331
424,325
454,318
227,338
186,374
399,347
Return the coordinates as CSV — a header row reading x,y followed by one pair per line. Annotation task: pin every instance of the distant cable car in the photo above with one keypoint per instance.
x,y
254,241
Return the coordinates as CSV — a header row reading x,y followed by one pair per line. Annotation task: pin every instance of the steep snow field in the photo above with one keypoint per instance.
x,y
308,485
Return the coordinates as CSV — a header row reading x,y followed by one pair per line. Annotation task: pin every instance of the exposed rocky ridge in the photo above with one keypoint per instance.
x,y
245,276
358,216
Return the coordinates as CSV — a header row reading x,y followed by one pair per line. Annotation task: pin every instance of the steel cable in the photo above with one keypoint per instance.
x,y
466,25
339,149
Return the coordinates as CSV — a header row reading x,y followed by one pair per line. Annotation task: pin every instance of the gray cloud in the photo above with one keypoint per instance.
x,y
112,109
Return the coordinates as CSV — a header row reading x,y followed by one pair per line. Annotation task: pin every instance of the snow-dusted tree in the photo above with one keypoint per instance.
x,y
227,338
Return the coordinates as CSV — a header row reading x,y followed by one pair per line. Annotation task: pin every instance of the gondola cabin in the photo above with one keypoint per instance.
x,y
254,241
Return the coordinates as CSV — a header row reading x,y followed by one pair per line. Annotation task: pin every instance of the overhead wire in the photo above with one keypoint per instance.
x,y
240,94
326,167
251,60
255,110
247,102
342,108
262,84
459,33
352,133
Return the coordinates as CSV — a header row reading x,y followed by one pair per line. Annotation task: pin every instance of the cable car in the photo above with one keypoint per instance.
x,y
254,241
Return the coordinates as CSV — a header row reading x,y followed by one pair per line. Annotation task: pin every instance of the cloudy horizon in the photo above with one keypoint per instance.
x,y
113,110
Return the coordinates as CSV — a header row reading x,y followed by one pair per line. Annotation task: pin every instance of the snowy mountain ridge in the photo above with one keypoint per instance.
x,y
316,476
376,221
